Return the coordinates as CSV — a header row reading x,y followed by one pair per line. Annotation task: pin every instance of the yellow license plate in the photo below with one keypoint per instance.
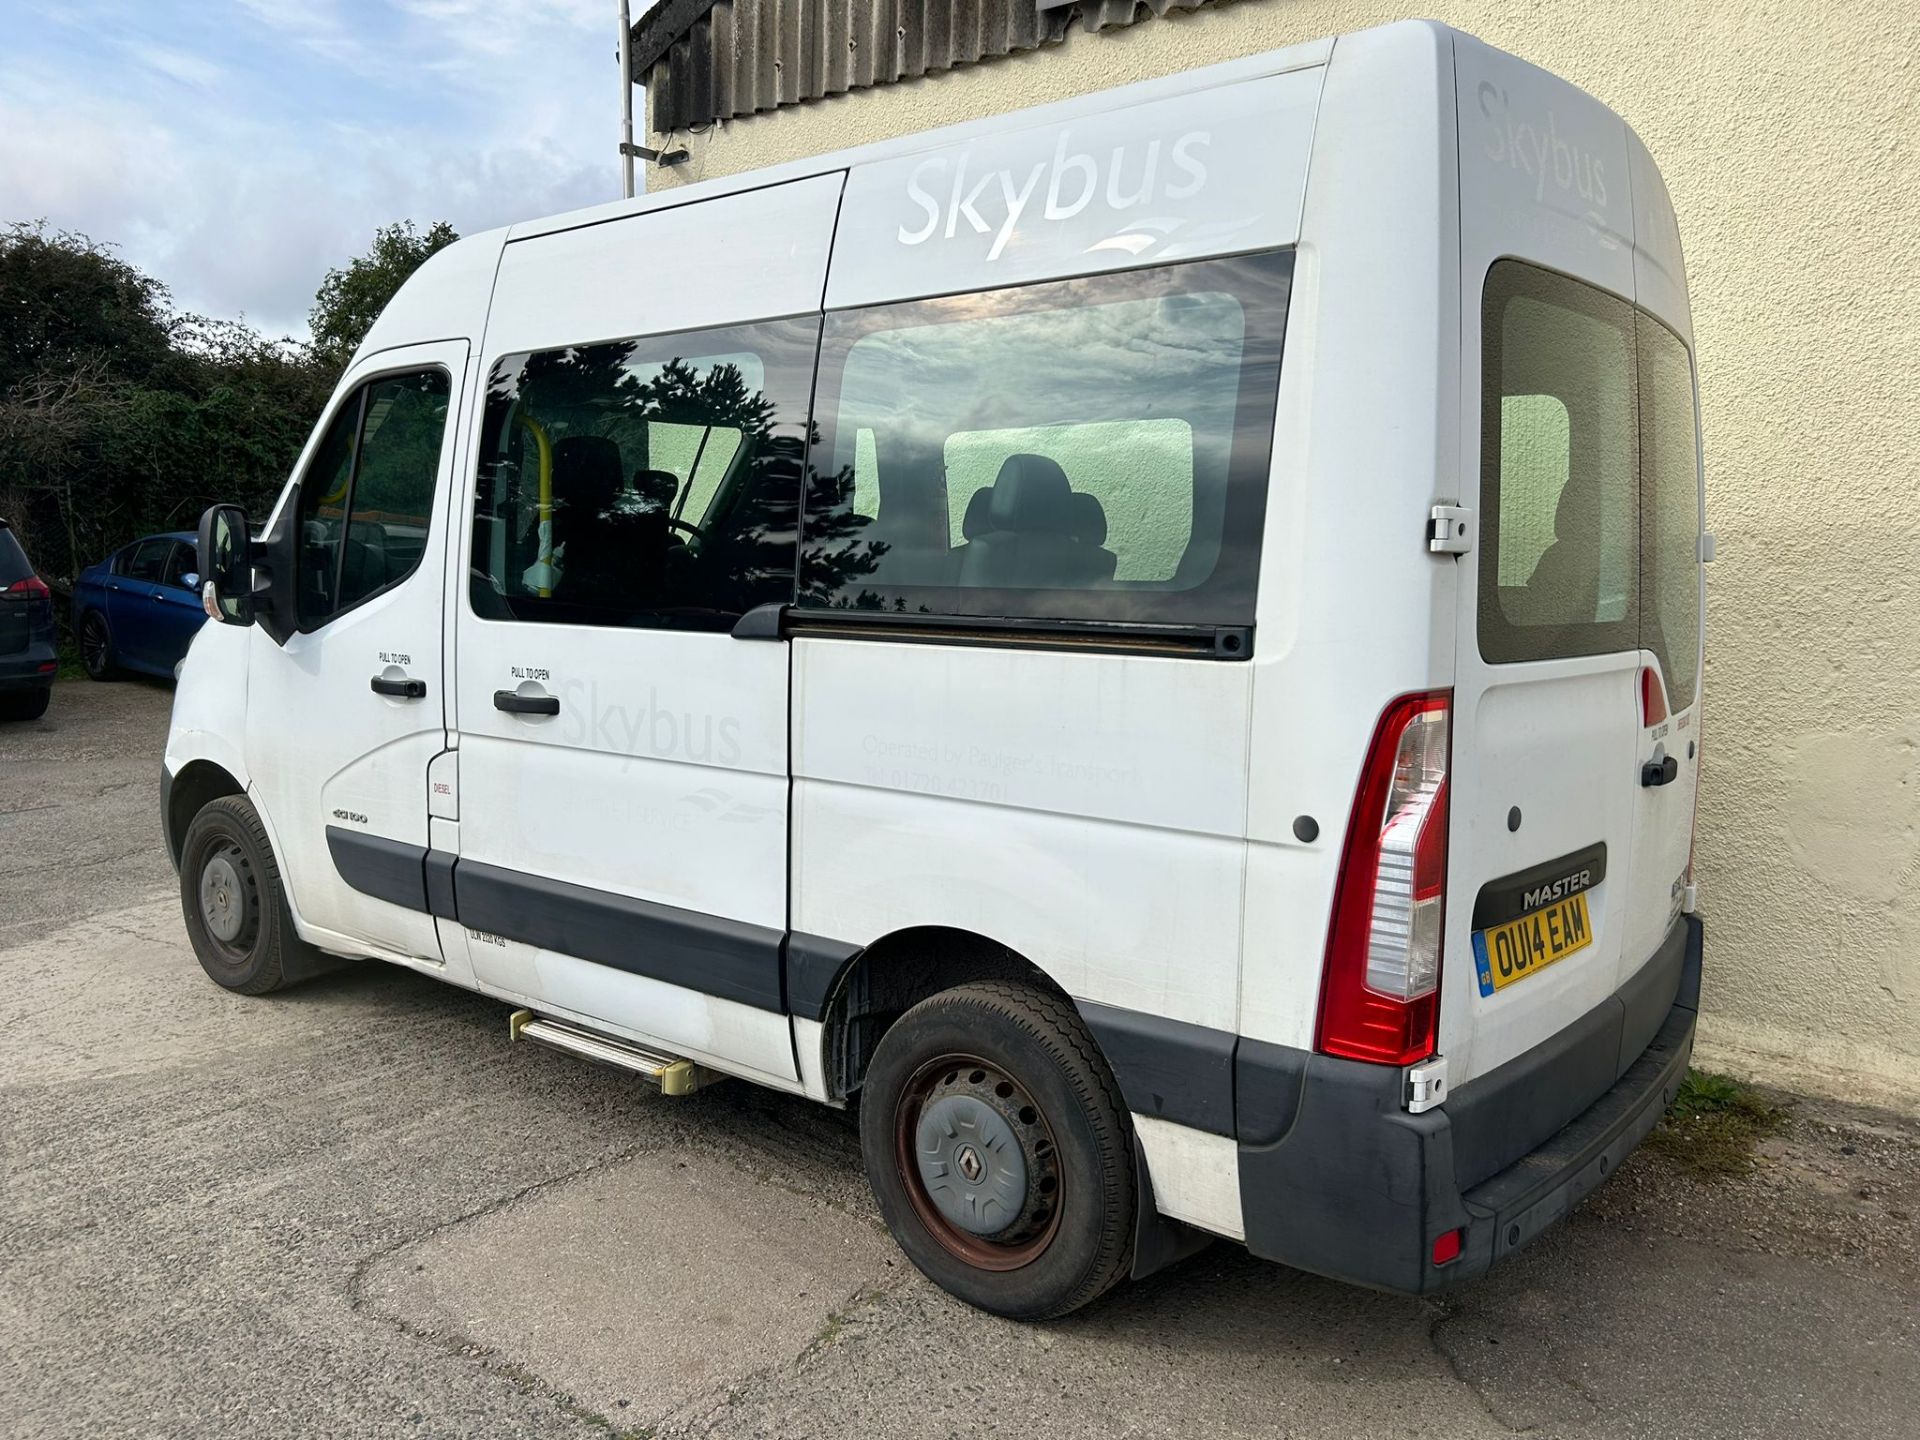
x,y
1506,954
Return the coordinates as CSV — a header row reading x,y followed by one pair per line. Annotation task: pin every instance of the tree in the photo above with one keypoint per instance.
x,y
118,416
64,300
350,300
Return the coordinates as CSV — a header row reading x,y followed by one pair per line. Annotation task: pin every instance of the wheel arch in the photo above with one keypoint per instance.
x,y
187,793
879,982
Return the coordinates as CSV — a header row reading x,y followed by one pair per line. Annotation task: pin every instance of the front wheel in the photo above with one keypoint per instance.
x,y
236,912
999,1150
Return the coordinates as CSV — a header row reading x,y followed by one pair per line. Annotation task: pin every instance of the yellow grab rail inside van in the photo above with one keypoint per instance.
x,y
543,565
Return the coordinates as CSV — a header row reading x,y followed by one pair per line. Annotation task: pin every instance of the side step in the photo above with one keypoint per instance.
x,y
672,1074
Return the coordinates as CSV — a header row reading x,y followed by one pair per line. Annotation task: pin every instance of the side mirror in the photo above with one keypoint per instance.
x,y
226,565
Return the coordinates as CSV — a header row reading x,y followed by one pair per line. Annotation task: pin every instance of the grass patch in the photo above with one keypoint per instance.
x,y
68,654
1714,1125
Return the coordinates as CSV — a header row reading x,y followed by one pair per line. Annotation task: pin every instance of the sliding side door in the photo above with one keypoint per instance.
x,y
623,767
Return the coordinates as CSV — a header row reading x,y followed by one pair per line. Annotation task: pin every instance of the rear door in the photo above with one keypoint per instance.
x,y
1545,915
1670,634
130,600
1547,703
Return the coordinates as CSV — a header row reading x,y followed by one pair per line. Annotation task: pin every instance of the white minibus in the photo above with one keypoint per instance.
x,y
1152,645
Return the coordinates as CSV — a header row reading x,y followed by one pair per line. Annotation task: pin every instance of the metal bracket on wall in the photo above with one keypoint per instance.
x,y
662,158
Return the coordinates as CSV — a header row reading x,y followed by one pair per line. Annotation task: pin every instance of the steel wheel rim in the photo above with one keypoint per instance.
x,y
229,897
1032,1231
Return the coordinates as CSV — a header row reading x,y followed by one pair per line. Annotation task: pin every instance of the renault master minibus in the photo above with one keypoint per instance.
x,y
1151,645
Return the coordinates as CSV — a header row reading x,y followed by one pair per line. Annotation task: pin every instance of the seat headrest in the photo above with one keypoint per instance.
x,y
587,472
1032,495
1089,519
1576,514
975,523
656,489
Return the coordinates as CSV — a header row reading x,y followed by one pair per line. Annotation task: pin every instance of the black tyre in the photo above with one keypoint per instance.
x,y
236,911
999,1150
25,704
96,647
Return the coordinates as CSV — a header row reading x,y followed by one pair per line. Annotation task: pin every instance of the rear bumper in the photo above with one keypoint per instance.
x,y
1346,1183
28,669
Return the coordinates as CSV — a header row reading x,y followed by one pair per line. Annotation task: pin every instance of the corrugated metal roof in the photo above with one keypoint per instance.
x,y
705,60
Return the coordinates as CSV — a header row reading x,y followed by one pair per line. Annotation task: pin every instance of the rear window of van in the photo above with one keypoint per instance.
x,y
1590,510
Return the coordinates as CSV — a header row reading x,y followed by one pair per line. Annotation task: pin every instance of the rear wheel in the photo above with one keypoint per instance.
x,y
236,911
999,1150
25,704
96,647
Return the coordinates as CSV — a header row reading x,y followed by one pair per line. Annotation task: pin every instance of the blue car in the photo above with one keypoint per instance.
x,y
139,608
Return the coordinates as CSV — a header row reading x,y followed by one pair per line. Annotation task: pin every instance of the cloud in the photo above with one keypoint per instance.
x,y
237,150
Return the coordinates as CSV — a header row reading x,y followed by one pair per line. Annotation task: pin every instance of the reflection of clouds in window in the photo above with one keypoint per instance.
x,y
1169,355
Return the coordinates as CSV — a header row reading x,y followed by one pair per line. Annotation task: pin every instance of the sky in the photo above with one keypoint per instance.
x,y
237,149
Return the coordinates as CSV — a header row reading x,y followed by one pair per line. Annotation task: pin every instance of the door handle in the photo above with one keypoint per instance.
x,y
400,689
514,703
1660,772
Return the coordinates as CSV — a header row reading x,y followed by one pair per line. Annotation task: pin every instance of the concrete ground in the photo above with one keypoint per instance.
x,y
354,1210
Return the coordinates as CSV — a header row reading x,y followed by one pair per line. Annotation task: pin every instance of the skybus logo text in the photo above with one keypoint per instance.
x,y
994,202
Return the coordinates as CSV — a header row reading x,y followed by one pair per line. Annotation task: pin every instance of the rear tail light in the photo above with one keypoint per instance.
x,y
1446,1248
31,588
1653,697
1379,996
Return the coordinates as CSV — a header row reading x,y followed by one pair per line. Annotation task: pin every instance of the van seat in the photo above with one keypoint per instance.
x,y
599,565
1031,530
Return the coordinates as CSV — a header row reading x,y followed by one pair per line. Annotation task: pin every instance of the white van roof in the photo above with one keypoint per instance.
x,y
964,185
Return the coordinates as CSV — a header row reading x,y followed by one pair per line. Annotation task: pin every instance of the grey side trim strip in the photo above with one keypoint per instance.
x,y
439,874
814,967
1170,1069
386,869
726,958
1167,1068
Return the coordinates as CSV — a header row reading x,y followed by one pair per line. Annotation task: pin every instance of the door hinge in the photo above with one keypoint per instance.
x,y
1426,1085
1450,530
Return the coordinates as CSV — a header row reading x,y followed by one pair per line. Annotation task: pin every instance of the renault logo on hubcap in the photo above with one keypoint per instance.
x,y
969,1162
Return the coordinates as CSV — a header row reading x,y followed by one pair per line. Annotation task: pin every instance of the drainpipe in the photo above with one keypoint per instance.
x,y
626,104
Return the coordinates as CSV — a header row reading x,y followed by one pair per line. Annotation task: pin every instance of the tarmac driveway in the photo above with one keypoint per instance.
x,y
355,1210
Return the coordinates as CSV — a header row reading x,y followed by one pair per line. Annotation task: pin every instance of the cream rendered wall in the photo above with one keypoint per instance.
x,y
1789,135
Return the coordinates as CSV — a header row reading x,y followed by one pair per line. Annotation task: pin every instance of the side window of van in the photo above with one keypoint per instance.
x,y
652,482
366,501
1087,449
1589,479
